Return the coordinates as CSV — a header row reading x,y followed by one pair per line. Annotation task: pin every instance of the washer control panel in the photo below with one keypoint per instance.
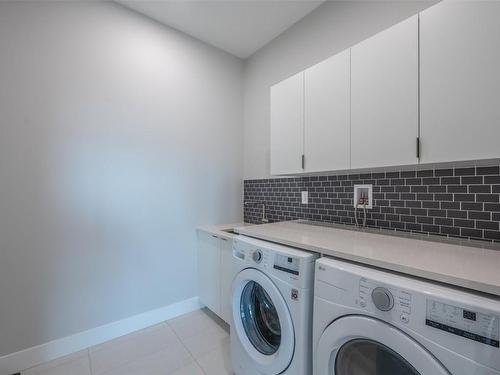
x,y
286,264
253,257
378,298
257,256
474,325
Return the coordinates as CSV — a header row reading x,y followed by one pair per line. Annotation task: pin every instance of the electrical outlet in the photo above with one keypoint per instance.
x,y
305,197
363,196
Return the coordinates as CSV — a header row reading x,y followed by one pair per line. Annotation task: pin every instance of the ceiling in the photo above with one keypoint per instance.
x,y
239,27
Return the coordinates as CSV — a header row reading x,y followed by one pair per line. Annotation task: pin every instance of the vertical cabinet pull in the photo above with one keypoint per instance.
x,y
418,147
303,161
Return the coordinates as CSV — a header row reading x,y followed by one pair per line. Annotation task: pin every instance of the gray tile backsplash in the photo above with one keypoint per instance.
x,y
454,202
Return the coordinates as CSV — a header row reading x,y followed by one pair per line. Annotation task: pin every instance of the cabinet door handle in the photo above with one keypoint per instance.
x,y
418,147
303,161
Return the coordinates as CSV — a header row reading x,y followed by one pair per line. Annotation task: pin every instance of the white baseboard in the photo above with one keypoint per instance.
x,y
15,362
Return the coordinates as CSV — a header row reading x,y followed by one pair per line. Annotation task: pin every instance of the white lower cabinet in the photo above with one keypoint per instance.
x,y
209,254
214,273
226,275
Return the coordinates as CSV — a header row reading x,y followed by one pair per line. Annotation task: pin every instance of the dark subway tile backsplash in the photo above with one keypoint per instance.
x,y
457,202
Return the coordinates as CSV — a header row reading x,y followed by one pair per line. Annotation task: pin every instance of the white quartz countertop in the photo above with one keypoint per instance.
x,y
221,230
457,264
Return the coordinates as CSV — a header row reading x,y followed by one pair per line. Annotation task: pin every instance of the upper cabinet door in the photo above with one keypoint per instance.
x,y
287,125
460,81
384,97
326,113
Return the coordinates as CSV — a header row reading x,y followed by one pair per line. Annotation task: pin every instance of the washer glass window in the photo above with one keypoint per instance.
x,y
260,319
367,357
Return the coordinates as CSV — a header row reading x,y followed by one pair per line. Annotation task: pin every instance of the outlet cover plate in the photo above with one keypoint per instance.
x,y
305,197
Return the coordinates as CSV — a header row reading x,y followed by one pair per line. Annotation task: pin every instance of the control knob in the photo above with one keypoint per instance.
x,y
382,299
257,256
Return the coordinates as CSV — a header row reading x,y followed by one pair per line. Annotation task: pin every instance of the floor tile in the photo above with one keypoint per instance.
x,y
119,352
191,324
207,340
216,362
191,369
163,362
74,364
193,344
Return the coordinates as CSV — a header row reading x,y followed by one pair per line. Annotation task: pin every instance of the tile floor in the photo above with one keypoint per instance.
x,y
193,344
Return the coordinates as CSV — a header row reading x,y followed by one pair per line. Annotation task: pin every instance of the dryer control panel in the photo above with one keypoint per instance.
x,y
474,325
385,300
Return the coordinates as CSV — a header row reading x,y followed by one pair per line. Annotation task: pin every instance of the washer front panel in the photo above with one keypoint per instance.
x,y
266,358
260,319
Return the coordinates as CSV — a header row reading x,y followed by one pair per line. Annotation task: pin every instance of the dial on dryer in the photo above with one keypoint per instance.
x,y
382,299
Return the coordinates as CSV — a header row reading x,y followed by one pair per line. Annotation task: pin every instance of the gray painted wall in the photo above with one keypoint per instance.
x,y
329,29
118,136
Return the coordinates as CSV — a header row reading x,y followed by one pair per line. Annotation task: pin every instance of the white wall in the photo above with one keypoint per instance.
x,y
118,136
329,29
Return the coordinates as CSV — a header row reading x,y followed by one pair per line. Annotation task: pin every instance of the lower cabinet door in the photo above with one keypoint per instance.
x,y
226,279
209,275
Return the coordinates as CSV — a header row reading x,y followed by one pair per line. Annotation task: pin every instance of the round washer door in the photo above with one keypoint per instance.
x,y
360,345
262,321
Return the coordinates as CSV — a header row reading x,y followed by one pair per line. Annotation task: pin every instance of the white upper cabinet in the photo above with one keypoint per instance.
x,y
384,97
460,81
326,114
287,125
433,77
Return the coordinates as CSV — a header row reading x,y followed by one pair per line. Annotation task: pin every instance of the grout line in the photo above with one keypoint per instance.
x,y
90,361
189,351
195,360
200,366
182,342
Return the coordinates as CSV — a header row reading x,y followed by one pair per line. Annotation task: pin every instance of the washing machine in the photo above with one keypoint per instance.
x,y
373,322
272,297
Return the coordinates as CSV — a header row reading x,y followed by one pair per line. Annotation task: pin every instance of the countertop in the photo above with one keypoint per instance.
x,y
219,230
466,264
